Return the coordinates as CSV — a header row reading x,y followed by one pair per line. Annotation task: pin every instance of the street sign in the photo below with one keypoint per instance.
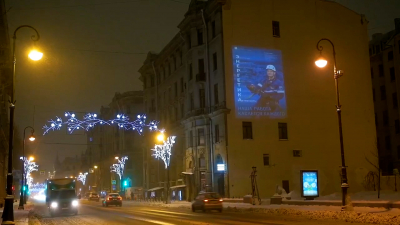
x,y
42,172
113,182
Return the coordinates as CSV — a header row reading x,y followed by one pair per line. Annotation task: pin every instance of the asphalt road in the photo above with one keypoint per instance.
x,y
92,213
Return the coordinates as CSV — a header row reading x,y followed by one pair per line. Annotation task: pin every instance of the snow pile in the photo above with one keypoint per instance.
x,y
353,217
365,196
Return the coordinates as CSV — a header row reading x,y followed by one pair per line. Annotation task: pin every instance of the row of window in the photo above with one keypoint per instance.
x,y
247,128
376,49
266,157
385,118
382,73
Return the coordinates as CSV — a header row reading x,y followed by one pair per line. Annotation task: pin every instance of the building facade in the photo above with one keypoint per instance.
x,y
210,86
384,53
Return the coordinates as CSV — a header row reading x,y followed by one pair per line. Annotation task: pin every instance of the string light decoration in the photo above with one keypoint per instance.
x,y
163,151
119,167
29,166
90,120
82,177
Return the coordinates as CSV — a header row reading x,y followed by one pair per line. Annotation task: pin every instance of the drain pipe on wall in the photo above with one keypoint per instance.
x,y
209,101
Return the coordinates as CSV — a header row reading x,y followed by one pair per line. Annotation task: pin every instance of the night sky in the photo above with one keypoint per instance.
x,y
93,48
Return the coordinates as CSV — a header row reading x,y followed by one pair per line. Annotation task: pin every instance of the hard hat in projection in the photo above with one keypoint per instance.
x,y
271,67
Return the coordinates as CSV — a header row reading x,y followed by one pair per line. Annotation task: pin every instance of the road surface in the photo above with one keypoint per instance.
x,y
92,213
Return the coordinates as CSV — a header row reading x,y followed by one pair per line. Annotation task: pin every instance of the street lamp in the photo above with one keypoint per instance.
x,y
22,198
8,212
160,136
321,62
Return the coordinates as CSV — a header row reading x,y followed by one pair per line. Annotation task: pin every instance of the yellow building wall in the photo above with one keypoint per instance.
x,y
310,95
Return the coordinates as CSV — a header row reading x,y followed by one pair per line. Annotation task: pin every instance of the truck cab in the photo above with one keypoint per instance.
x,y
61,196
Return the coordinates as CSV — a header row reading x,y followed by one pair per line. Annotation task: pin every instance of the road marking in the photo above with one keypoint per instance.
x,y
178,213
148,220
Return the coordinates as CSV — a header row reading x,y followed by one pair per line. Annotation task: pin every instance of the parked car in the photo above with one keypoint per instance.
x,y
94,197
207,201
112,199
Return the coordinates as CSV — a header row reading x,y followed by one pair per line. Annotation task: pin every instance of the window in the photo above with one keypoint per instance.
x,y
392,74
182,110
201,66
202,162
385,118
275,29
199,36
151,81
190,72
213,32
390,56
383,92
397,126
175,113
283,134
176,89
216,100
90,139
200,137
398,149
215,61
202,96
216,131
247,130
144,82
181,84
158,78
297,153
377,49
381,72
373,94
395,102
189,41
173,63
180,57
162,70
266,159
169,70
376,120
191,139
372,72
388,143
191,101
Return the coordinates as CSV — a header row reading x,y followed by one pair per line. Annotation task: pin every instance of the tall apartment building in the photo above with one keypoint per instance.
x,y
384,50
239,88
106,142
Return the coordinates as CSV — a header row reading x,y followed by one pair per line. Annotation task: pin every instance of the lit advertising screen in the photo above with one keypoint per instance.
x,y
259,87
309,183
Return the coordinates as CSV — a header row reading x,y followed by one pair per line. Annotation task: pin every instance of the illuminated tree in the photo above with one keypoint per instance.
x,y
119,167
163,151
29,166
82,177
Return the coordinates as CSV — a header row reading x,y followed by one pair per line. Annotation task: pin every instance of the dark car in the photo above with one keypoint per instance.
x,y
112,199
207,201
94,197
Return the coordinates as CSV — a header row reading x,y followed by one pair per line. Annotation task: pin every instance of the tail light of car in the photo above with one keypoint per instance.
x,y
108,198
205,200
119,198
221,200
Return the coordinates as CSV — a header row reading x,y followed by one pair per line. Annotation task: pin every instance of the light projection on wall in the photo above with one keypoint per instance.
x,y
258,83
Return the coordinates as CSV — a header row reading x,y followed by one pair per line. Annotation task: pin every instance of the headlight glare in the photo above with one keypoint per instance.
x,y
74,203
54,205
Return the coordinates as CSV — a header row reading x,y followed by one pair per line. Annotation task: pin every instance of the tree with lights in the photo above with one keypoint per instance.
x,y
82,177
164,153
119,167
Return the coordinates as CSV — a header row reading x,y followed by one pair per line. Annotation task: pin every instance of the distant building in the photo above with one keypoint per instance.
x,y
211,86
384,50
106,142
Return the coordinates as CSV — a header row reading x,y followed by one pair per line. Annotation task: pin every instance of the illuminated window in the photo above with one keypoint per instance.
x,y
200,137
392,74
383,92
266,159
283,134
381,72
390,56
385,118
216,100
395,102
297,153
199,36
190,72
247,130
213,30
397,126
215,61
275,29
216,131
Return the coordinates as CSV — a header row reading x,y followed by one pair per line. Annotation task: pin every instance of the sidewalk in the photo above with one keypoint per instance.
x,y
21,217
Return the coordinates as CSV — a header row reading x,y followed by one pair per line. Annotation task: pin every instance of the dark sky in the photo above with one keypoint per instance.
x,y
93,48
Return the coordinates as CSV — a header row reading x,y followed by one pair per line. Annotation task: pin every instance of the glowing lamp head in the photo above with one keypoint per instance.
x,y
95,167
160,137
35,55
31,158
32,138
116,157
321,62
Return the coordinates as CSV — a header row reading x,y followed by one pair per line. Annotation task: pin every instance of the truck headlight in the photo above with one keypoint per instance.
x,y
54,205
74,203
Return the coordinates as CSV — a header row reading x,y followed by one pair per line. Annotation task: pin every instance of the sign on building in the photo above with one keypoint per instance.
x,y
309,187
114,182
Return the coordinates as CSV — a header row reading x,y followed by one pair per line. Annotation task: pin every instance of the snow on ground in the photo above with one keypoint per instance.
x,y
365,196
359,215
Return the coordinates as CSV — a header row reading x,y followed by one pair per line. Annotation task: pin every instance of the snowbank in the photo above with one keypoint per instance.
x,y
365,196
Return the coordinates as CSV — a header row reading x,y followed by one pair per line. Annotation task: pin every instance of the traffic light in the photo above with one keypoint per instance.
x,y
24,188
125,183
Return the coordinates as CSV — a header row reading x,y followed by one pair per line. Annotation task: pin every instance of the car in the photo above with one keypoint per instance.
x,y
94,197
207,201
112,199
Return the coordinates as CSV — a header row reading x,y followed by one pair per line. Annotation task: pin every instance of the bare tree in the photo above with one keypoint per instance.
x,y
370,177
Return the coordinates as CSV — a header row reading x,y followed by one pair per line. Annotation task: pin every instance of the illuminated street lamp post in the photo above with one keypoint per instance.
x,y
321,62
22,198
8,212
95,176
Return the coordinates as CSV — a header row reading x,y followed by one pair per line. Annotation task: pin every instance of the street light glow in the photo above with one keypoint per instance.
x,y
116,157
160,137
35,55
31,158
95,167
321,62
32,138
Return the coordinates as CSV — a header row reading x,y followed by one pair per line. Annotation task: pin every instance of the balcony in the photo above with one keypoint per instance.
x,y
201,77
